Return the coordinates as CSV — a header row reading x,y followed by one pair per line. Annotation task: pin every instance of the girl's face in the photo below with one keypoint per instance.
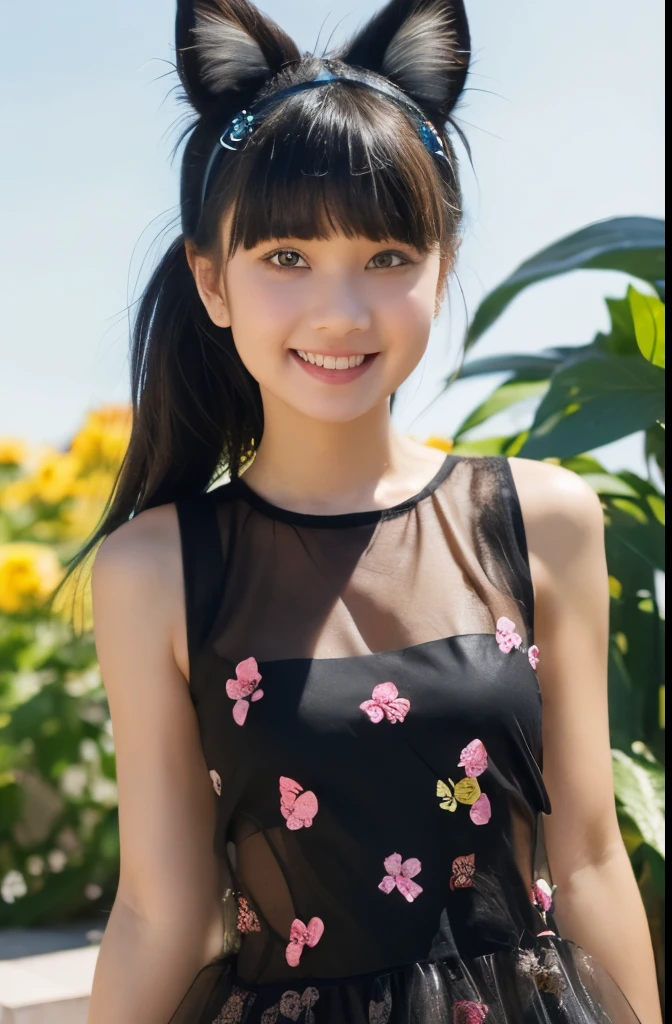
x,y
328,327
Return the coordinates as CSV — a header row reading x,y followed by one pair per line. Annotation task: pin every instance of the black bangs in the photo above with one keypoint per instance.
x,y
338,160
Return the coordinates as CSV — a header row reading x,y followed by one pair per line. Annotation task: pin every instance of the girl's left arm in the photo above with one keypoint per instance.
x,y
598,904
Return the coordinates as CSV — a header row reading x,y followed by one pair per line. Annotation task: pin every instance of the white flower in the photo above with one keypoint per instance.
x,y
104,791
57,860
88,750
13,886
74,780
34,865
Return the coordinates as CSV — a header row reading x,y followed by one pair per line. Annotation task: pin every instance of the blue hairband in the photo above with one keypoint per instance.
x,y
242,125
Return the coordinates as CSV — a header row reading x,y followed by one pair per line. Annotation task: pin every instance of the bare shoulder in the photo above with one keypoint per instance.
x,y
561,512
137,575
143,551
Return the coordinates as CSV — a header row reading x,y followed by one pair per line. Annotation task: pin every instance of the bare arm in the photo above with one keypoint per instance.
x,y
598,902
166,920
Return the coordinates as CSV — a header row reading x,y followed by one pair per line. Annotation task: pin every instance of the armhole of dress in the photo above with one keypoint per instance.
x,y
202,572
518,524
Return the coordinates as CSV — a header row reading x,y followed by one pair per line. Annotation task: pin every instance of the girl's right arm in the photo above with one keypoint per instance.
x,y
166,921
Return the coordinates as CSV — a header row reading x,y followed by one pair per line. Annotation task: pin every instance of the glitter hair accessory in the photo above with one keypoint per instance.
x,y
239,129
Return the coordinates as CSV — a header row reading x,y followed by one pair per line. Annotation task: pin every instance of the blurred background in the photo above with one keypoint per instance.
x,y
559,293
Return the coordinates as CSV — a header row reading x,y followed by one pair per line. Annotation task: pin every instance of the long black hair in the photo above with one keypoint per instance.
x,y
339,157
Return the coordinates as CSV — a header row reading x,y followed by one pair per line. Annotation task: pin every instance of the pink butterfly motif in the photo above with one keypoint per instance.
x,y
464,869
481,811
216,782
386,703
232,1011
299,810
247,919
301,935
243,686
533,656
542,895
474,759
506,635
466,1012
400,876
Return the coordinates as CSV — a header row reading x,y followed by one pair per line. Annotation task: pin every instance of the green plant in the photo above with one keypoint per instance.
x,y
585,397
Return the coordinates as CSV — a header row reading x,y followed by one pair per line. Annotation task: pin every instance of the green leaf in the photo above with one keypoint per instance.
x,y
648,314
594,402
526,366
634,245
510,393
655,446
484,446
639,786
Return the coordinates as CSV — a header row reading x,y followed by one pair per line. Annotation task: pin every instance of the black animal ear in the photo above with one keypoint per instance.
x,y
226,46
422,46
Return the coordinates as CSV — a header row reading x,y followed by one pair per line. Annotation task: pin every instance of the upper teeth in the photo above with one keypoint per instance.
x,y
331,362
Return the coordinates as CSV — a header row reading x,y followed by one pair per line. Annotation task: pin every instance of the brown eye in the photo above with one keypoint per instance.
x,y
383,260
286,258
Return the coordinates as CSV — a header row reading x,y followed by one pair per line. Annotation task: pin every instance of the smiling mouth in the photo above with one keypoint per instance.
x,y
330,362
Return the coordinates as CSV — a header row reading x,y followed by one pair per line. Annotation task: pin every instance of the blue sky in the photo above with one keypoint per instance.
x,y
564,115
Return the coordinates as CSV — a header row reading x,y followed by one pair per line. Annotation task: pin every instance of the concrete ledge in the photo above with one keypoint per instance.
x,y
53,988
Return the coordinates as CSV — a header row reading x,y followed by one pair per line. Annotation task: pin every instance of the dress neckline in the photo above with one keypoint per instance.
x,y
342,519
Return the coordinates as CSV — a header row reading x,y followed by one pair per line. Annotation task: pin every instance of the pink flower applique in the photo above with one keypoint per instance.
x,y
301,935
243,686
386,703
506,635
474,759
481,811
270,1015
232,1011
297,807
216,782
380,1012
542,898
247,919
466,1012
400,876
507,638
464,869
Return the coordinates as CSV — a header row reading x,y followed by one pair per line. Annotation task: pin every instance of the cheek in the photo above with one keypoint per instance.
x,y
262,315
406,319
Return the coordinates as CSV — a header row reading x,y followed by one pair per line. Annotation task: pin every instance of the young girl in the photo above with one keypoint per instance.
x,y
325,676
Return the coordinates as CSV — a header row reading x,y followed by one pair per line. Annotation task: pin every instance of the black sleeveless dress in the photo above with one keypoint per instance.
x,y
370,716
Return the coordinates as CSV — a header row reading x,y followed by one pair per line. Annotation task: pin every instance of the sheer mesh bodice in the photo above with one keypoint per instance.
x,y
370,716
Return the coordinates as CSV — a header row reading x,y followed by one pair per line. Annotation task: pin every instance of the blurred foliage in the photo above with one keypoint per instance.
x,y
59,846
580,398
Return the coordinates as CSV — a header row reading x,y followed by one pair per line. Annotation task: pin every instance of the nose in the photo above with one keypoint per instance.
x,y
339,307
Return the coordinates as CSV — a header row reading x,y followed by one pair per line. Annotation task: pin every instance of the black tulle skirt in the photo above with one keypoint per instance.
x,y
555,982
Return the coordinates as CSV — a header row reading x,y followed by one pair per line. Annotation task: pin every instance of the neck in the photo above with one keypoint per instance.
x,y
309,465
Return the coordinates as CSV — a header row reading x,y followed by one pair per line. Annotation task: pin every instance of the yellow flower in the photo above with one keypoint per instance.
x,y
467,791
444,444
54,477
13,451
103,440
28,575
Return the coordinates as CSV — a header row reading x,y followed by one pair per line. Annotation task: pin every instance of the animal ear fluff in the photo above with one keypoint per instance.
x,y
422,46
226,46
